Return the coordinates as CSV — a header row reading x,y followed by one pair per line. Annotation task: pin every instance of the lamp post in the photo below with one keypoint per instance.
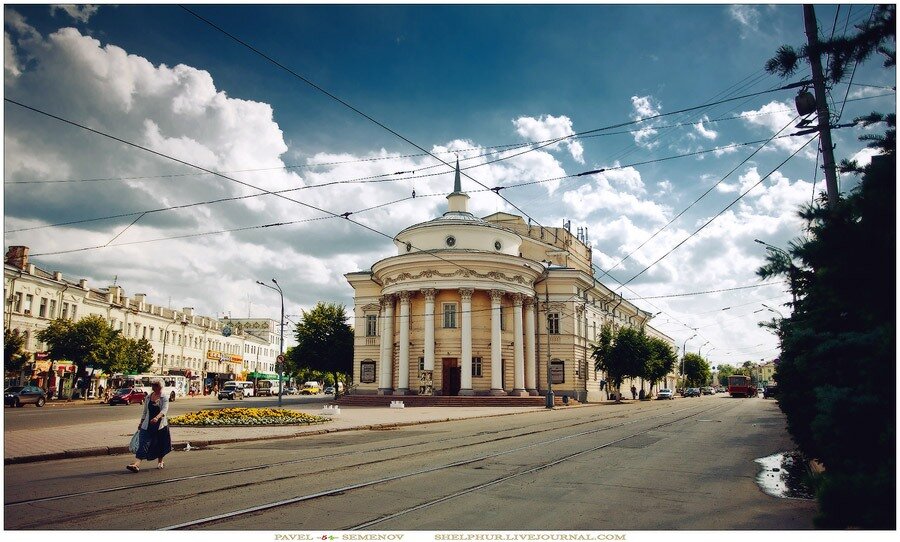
x,y
773,310
684,352
162,361
701,348
280,364
792,269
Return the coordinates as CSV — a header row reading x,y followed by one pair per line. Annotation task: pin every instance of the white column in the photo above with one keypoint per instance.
x,y
518,348
403,361
496,344
465,380
530,358
385,379
429,328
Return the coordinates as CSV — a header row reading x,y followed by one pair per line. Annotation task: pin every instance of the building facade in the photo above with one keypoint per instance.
x,y
486,306
184,343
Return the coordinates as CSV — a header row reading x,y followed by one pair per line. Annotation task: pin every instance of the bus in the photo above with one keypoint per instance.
x,y
741,386
173,385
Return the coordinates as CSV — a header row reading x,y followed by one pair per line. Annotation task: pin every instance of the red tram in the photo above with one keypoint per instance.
x,y
741,386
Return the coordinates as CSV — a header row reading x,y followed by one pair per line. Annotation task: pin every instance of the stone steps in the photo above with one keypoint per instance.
x,y
450,401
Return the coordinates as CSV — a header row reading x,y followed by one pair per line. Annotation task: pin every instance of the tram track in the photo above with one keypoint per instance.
x,y
257,509
325,457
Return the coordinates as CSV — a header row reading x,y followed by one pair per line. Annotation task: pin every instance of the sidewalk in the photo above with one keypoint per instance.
x,y
108,438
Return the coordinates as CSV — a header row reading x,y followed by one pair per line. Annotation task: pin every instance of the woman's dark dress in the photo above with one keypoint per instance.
x,y
155,443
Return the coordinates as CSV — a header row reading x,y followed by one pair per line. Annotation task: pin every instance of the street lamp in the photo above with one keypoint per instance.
x,y
701,348
792,269
280,364
684,351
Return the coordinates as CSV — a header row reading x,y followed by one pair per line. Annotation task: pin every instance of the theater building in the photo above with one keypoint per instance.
x,y
484,306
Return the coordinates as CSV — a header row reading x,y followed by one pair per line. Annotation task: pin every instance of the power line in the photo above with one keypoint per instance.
x,y
361,180
708,222
668,296
703,195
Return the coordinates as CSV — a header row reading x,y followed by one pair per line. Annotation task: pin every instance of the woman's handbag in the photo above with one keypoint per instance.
x,y
135,442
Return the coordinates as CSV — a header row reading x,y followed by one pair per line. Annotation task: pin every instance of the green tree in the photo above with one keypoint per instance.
x,y
696,370
725,370
621,354
324,340
660,362
92,342
14,355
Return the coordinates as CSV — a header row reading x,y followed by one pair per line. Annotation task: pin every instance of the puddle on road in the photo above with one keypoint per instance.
x,y
784,475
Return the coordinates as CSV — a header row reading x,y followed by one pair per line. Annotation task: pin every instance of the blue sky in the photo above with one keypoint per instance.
x,y
450,78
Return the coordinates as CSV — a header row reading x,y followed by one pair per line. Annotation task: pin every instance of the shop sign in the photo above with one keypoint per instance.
x,y
41,356
234,359
214,355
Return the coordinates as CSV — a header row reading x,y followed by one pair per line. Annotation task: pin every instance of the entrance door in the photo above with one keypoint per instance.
x,y
450,381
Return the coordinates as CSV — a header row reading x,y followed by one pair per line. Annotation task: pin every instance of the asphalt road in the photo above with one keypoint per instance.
x,y
31,417
686,464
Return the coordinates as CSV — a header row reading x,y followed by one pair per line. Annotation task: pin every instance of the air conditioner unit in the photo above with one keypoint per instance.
x,y
28,311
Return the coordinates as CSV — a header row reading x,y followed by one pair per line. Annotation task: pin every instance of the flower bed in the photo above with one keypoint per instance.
x,y
245,416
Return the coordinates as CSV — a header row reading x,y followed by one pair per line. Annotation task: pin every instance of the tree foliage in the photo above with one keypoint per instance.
x,y
324,341
725,370
696,370
661,360
838,351
873,36
91,341
14,355
628,352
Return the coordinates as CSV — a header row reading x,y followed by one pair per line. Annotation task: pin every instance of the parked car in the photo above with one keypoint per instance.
x,y
329,390
665,394
231,392
721,389
127,396
692,392
19,396
291,390
708,391
770,391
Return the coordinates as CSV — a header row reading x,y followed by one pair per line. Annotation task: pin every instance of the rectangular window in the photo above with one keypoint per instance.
x,y
595,330
29,301
553,323
449,315
74,310
18,302
52,308
476,366
421,364
371,325
42,311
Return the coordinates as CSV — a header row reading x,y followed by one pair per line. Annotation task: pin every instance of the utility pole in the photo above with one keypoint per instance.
x,y
815,62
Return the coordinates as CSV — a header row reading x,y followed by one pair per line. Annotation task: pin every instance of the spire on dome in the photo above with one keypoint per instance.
x,y
457,184
457,199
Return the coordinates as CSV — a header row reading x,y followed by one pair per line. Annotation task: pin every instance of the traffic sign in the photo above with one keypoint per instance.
x,y
280,358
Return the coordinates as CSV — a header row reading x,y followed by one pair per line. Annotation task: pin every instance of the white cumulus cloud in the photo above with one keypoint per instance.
x,y
549,127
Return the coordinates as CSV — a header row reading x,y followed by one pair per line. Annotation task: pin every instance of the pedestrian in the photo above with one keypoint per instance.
x,y
155,440
633,392
100,393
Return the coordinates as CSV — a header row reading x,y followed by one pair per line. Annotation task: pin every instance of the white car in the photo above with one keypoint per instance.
x,y
665,393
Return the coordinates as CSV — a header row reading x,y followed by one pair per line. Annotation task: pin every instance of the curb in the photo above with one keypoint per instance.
x,y
179,446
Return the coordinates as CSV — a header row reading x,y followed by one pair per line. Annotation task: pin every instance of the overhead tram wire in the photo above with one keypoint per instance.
x,y
366,180
703,195
330,214
508,146
717,215
385,127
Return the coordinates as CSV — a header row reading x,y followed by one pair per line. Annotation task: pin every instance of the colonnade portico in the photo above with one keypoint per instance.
x,y
524,368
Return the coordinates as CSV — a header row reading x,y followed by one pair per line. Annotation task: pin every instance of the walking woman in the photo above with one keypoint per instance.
x,y
155,441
